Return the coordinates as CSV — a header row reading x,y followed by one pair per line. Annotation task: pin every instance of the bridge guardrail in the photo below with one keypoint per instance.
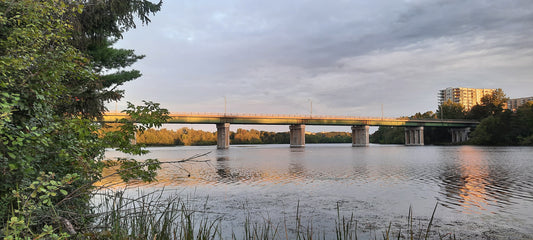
x,y
259,115
302,116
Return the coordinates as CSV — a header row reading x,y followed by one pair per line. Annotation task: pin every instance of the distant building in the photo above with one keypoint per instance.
x,y
468,97
514,103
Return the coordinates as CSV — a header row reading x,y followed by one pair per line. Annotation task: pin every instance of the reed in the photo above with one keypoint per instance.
x,y
150,216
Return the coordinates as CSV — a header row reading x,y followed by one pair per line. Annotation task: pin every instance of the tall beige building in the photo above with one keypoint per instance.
x,y
514,103
468,97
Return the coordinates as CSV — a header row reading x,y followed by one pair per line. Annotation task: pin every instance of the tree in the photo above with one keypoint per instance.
x,y
50,149
388,135
95,30
492,130
426,115
450,110
491,105
243,136
523,124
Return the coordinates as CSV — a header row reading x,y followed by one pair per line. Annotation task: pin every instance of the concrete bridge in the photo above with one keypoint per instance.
x,y
414,129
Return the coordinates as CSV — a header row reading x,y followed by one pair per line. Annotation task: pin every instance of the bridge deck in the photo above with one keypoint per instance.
x,y
271,119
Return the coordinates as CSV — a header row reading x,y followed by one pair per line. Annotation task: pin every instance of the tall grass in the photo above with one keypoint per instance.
x,y
150,216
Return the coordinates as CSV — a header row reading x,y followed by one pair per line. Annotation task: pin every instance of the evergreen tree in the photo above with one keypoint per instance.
x,y
96,29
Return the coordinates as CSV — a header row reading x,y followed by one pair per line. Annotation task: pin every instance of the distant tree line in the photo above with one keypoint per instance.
x,y
187,136
498,126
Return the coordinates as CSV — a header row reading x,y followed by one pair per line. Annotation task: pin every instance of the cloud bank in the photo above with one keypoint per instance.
x,y
346,57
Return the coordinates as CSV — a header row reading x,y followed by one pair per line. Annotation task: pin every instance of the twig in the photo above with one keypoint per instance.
x,y
189,159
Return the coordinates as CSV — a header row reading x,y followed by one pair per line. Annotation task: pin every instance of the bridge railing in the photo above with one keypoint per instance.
x,y
260,115
305,116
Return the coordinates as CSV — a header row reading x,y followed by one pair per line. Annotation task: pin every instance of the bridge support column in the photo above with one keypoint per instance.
x,y
414,136
222,135
297,135
360,136
459,135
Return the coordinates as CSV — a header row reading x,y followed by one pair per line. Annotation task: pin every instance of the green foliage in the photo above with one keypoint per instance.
x,y
491,105
498,126
450,110
275,138
188,137
506,128
34,204
95,29
426,115
102,20
329,137
388,135
183,136
141,118
523,124
50,93
243,136
145,171
36,61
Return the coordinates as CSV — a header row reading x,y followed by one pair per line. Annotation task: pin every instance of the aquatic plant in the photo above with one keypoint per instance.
x,y
152,216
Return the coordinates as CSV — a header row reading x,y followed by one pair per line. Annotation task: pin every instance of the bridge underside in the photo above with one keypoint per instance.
x,y
414,129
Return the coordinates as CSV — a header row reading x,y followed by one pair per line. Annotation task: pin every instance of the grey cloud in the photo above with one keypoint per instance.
x,y
275,56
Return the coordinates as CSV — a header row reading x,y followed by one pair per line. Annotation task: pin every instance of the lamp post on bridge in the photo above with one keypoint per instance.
x,y
311,108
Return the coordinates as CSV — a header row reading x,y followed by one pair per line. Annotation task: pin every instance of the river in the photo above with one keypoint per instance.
x,y
480,191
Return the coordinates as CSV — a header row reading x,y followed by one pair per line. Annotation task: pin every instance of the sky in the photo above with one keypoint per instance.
x,y
347,58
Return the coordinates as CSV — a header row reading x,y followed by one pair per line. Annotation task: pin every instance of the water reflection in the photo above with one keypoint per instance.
x,y
468,179
474,182
223,170
378,182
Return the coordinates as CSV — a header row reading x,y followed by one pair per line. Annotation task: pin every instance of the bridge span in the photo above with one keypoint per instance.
x,y
414,129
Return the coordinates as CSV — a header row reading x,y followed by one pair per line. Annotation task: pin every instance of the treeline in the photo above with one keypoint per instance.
x,y
498,126
188,137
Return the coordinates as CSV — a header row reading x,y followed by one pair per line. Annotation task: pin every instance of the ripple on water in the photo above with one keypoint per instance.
x,y
483,185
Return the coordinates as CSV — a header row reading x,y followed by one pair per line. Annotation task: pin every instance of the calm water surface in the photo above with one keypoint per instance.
x,y
480,190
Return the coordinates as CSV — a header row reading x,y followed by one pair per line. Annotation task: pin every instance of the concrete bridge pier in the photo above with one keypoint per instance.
x,y
414,136
459,135
222,135
360,136
297,135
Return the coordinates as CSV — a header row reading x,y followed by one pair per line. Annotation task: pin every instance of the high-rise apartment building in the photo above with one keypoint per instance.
x,y
468,97
514,103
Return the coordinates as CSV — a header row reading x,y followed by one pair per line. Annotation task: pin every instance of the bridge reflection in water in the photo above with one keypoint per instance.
x,y
414,129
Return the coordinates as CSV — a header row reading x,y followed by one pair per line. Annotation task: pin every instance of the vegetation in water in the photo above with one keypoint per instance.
x,y
151,216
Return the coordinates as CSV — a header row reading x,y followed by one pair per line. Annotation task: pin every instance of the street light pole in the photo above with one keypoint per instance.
x,y
382,111
311,107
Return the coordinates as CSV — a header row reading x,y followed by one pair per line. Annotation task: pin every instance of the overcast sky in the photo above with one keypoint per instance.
x,y
346,57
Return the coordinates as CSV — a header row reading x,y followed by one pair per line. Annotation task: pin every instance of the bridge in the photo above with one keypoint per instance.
x,y
414,129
